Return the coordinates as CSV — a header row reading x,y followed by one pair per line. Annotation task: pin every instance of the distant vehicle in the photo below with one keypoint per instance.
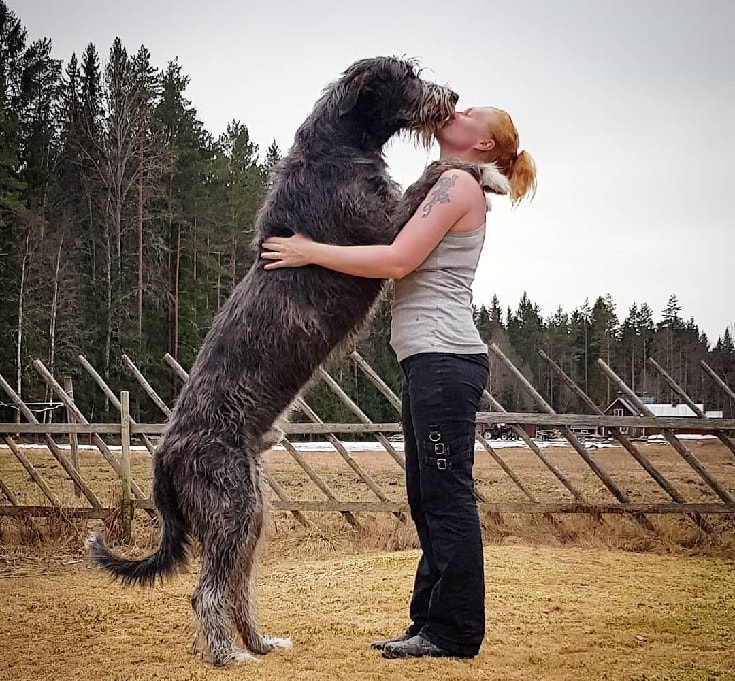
x,y
499,431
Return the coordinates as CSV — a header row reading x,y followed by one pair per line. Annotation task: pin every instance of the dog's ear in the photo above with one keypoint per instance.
x,y
351,94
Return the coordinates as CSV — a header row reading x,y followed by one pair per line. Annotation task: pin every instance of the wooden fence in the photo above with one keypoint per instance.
x,y
718,499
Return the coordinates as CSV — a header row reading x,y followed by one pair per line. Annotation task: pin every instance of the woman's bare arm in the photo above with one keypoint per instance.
x,y
452,197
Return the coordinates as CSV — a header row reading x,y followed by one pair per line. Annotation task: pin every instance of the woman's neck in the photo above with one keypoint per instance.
x,y
468,156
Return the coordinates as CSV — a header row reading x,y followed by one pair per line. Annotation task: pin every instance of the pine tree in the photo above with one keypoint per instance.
x,y
557,344
525,333
602,339
496,312
245,182
482,321
668,341
126,153
188,219
28,147
723,363
272,158
12,45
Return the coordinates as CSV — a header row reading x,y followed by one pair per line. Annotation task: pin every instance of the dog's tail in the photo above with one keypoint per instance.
x,y
172,550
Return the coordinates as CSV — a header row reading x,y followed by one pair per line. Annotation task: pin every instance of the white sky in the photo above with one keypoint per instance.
x,y
626,105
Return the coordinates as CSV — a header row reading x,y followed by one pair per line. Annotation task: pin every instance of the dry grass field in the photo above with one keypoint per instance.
x,y
575,599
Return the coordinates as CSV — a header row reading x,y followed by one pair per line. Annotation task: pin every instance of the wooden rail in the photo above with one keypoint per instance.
x,y
124,432
488,417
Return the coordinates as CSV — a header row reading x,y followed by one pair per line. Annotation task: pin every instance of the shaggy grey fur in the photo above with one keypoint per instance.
x,y
270,336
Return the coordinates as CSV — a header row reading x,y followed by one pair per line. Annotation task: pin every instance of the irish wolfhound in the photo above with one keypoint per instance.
x,y
267,340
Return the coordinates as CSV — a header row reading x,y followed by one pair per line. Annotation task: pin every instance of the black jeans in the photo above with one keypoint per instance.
x,y
441,395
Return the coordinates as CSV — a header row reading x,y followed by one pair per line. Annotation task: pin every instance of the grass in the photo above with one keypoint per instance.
x,y
552,614
573,599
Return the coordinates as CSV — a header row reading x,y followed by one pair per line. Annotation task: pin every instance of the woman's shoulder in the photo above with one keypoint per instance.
x,y
462,186
462,179
459,175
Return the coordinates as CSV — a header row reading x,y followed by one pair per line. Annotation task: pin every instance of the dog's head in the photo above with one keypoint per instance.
x,y
384,95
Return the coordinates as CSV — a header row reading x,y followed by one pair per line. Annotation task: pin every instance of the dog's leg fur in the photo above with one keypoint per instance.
x,y
242,593
211,623
235,489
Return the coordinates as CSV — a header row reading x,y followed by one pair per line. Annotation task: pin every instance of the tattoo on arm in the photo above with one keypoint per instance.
x,y
440,194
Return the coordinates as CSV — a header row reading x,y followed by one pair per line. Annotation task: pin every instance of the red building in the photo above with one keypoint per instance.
x,y
623,407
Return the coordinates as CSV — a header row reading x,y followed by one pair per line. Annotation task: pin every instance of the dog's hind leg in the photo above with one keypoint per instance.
x,y
225,504
243,602
242,592
209,602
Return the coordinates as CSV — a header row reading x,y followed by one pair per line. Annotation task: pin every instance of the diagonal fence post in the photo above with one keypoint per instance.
x,y
578,496
98,441
627,444
350,404
690,403
51,444
302,406
33,473
378,382
572,439
713,375
671,438
111,397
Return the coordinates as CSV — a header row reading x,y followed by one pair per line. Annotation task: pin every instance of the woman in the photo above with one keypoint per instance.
x,y
445,370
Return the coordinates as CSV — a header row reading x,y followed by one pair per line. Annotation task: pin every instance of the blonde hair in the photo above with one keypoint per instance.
x,y
519,168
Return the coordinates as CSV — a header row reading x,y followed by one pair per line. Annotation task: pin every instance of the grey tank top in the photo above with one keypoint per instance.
x,y
432,306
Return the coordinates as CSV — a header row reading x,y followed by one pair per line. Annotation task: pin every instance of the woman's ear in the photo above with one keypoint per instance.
x,y
485,145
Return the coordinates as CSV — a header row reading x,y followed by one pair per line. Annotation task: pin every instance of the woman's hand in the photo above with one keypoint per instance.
x,y
292,251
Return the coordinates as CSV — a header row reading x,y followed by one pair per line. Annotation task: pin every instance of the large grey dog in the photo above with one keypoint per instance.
x,y
270,336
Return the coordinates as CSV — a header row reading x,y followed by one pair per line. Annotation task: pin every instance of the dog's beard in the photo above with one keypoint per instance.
x,y
435,109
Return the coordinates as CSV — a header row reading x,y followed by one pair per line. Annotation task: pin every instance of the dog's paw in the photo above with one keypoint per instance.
x,y
239,656
492,180
273,437
275,642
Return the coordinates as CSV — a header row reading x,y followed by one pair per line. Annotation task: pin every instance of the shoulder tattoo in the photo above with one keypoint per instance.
x,y
439,194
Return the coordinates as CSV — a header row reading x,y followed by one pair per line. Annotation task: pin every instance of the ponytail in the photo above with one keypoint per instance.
x,y
522,178
519,168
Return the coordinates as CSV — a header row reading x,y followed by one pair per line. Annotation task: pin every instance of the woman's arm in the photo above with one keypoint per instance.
x,y
451,198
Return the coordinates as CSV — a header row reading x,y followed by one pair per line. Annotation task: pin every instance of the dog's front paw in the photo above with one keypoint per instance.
x,y
273,437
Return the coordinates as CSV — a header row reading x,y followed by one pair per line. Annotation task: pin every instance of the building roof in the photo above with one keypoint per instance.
x,y
669,409
663,409
624,403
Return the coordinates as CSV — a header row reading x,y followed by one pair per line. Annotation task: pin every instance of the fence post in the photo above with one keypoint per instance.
x,y
127,502
73,438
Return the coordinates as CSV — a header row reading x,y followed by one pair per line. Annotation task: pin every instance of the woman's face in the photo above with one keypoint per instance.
x,y
466,129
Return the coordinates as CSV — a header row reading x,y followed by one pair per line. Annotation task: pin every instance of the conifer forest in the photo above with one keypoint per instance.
x,y
125,224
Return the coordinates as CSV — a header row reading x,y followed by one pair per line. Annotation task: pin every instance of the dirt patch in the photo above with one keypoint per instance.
x,y
563,600
552,614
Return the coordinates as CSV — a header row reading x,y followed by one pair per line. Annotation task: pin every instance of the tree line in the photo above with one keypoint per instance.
x,y
124,225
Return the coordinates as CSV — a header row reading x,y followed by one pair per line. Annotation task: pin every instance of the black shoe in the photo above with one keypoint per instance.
x,y
380,645
416,646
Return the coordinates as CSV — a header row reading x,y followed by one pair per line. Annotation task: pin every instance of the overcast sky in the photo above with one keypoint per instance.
x,y
628,107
